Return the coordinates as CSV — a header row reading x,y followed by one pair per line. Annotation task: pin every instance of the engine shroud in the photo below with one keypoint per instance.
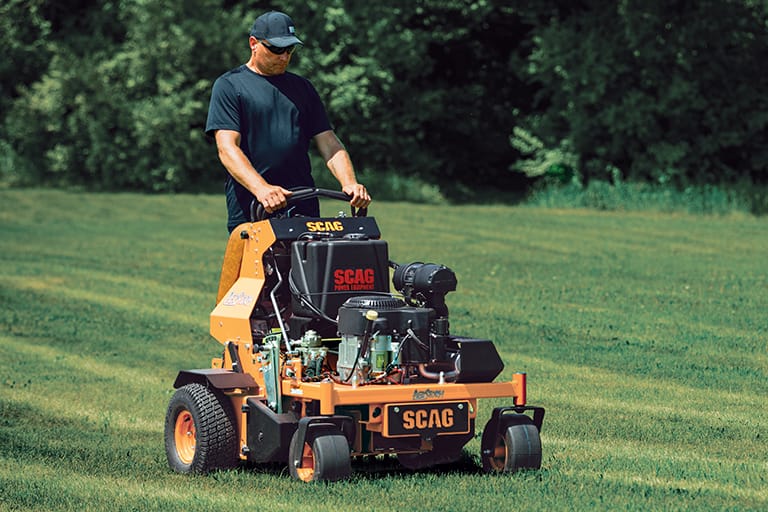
x,y
325,273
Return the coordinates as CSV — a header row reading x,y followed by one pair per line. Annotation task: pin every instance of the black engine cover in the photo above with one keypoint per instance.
x,y
328,272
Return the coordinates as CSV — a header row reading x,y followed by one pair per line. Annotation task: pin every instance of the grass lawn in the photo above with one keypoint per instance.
x,y
644,335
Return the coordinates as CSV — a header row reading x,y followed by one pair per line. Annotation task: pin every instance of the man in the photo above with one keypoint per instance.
x,y
263,119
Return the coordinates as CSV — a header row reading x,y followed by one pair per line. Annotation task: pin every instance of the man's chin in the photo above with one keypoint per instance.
x,y
277,70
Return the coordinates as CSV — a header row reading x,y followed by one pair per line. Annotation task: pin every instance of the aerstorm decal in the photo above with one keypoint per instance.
x,y
237,299
354,279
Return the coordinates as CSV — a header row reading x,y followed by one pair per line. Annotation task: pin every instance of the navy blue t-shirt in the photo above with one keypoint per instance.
x,y
276,116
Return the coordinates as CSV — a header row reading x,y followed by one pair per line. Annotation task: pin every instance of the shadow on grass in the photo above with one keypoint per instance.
x,y
382,466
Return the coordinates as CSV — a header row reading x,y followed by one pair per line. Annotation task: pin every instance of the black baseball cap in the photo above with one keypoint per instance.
x,y
276,28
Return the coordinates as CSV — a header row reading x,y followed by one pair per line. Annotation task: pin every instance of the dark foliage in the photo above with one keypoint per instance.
x,y
463,93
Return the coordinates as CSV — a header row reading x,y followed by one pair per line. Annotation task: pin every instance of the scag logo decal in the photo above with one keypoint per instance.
x,y
422,419
354,279
325,225
404,420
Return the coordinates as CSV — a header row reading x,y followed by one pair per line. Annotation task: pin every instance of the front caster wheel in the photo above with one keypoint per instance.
x,y
516,446
326,458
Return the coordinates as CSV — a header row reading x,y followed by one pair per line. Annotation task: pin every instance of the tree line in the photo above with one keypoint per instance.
x,y
113,94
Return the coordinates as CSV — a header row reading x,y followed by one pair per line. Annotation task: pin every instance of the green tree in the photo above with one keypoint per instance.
x,y
114,94
422,88
123,104
654,91
23,36
24,33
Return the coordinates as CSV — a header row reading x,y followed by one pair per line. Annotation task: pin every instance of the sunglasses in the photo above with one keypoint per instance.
x,y
279,50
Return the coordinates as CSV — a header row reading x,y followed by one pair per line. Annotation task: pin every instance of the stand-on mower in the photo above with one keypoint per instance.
x,y
322,363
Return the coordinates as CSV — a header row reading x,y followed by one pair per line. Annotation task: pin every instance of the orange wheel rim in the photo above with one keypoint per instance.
x,y
306,469
499,458
184,437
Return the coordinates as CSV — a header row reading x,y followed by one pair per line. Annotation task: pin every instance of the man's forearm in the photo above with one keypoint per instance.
x,y
340,165
240,168
272,197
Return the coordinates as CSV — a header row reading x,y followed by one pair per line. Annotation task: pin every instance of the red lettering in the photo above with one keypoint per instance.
x,y
363,278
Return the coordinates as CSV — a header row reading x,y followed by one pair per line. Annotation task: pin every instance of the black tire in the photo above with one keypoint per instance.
x,y
200,434
516,447
327,459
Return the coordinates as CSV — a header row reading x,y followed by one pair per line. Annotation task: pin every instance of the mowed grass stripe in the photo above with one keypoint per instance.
x,y
60,380
134,297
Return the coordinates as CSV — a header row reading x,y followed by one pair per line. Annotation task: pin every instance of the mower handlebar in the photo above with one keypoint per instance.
x,y
300,194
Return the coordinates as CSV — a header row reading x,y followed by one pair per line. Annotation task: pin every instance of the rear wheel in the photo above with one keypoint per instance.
x,y
325,459
514,447
200,433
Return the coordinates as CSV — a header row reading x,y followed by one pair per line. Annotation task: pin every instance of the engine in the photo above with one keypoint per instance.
x,y
377,332
382,338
